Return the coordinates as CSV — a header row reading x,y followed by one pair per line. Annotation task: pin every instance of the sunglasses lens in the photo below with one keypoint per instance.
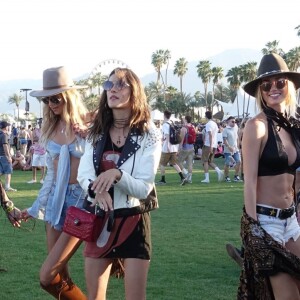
x,y
45,100
55,99
108,85
266,86
280,84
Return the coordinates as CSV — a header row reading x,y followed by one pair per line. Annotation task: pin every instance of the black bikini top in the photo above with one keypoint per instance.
x,y
274,159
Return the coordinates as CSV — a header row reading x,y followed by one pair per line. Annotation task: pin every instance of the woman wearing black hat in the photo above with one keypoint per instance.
x,y
271,151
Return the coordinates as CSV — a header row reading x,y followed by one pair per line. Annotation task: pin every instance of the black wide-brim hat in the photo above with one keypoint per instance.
x,y
271,65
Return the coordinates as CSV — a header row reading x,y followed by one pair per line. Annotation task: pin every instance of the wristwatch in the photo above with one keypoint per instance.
x,y
9,206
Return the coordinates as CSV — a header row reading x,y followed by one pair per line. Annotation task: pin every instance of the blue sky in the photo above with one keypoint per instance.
x,y
37,34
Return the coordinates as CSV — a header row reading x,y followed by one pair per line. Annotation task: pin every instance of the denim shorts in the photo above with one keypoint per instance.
x,y
236,156
5,166
280,230
74,197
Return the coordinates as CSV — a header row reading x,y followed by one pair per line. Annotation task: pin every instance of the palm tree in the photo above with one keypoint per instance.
x,y
97,81
180,69
292,59
205,73
235,82
153,90
298,28
167,57
248,73
272,47
217,74
16,100
158,60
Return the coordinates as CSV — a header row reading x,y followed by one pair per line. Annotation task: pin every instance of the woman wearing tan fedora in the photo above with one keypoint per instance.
x,y
62,110
271,151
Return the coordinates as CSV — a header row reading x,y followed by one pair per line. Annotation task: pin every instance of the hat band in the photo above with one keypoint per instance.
x,y
56,87
272,72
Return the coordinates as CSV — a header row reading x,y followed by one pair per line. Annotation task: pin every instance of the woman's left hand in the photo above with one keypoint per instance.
x,y
105,180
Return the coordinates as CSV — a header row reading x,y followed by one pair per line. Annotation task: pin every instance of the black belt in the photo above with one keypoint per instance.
x,y
276,212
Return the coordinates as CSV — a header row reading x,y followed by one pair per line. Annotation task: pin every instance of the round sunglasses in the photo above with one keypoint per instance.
x,y
56,99
279,83
119,85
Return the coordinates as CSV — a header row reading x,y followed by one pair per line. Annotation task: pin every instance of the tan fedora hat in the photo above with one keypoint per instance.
x,y
55,81
271,65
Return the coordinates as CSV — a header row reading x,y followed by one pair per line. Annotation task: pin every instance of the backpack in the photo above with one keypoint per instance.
x,y
174,134
190,137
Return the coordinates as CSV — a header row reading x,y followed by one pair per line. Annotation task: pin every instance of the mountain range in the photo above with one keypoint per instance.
x,y
191,82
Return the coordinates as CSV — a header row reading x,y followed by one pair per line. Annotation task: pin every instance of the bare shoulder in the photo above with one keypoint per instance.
x,y
256,126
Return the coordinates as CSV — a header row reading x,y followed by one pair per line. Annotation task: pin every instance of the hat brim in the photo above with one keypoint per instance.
x,y
47,93
251,87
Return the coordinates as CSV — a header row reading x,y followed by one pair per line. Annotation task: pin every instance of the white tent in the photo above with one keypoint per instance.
x,y
156,115
243,102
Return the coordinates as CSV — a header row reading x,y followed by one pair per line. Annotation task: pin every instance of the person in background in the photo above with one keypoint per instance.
x,y
18,161
209,148
5,156
231,149
29,140
15,135
169,152
240,138
38,155
271,153
186,151
118,169
220,150
62,110
23,138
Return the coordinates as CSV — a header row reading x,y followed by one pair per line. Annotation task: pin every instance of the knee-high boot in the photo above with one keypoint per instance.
x,y
64,289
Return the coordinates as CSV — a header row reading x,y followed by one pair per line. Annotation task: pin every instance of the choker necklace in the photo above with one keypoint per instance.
x,y
120,123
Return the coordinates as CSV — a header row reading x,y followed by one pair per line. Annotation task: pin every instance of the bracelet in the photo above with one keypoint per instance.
x,y
116,181
91,193
9,206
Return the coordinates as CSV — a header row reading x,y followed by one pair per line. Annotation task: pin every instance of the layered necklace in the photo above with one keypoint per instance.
x,y
121,124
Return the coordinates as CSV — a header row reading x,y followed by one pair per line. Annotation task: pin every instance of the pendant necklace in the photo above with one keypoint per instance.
x,y
62,128
119,138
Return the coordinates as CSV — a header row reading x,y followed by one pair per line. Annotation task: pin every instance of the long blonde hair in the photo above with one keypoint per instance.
x,y
74,112
290,101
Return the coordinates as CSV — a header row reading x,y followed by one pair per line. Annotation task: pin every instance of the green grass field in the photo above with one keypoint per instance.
x,y
189,233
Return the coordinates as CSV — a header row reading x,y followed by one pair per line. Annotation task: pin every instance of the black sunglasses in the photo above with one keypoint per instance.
x,y
119,85
279,83
53,99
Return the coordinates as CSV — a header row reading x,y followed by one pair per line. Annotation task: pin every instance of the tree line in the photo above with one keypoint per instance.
x,y
163,96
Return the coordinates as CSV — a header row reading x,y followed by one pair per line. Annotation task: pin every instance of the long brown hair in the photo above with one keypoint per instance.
x,y
140,112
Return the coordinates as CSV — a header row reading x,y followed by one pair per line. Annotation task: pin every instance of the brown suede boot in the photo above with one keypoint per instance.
x,y
64,290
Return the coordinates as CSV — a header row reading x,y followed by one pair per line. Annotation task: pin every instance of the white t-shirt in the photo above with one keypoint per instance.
x,y
167,147
212,127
